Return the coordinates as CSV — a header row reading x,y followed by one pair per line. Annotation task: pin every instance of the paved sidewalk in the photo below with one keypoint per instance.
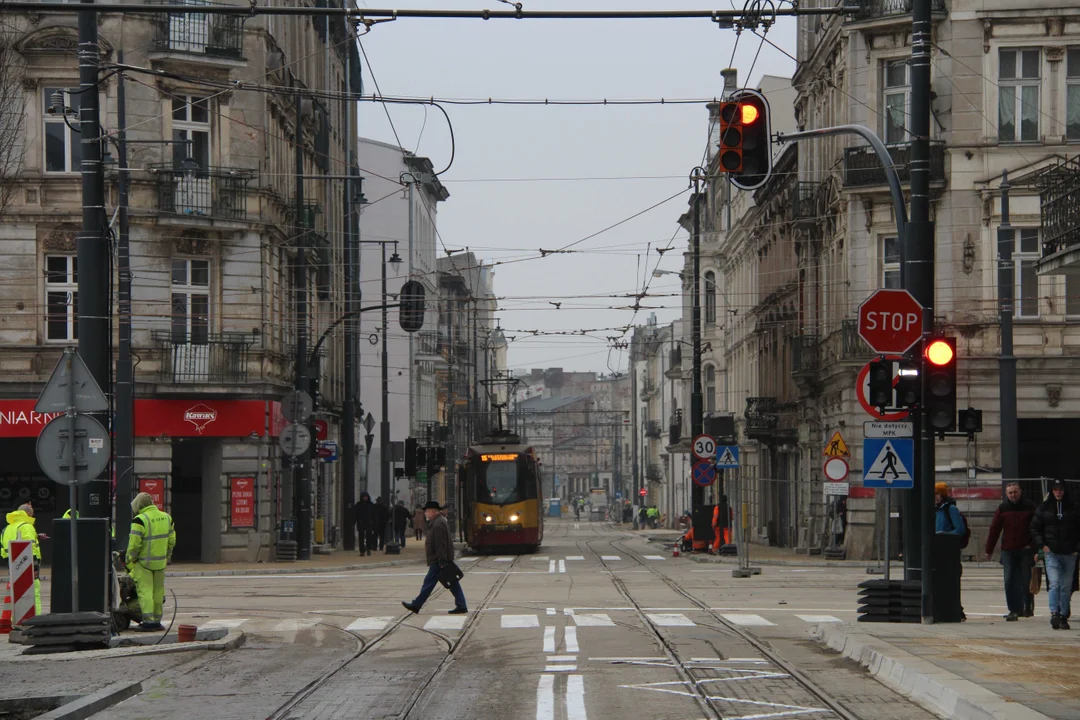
x,y
977,670
341,560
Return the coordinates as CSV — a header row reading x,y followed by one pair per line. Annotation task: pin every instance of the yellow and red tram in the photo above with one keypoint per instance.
x,y
501,496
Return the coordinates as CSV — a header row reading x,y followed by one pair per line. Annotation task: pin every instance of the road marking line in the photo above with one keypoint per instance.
x,y
670,620
575,698
225,623
549,639
467,559
568,611
819,618
628,659
747,620
560,668
597,620
653,557
562,566
519,621
453,622
539,558
575,557
610,557
561,658
551,566
545,698
571,639
509,559
294,625
551,611
370,623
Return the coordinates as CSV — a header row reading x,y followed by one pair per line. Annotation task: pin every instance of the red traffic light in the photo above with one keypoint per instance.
x,y
643,492
939,352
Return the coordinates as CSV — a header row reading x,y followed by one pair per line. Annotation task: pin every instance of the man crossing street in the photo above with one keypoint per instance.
x,y
439,549
150,548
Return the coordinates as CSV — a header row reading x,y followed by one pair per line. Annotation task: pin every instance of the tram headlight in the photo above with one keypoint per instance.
x,y
514,518
488,518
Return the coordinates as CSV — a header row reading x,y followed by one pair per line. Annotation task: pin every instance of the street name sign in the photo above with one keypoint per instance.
x,y
890,321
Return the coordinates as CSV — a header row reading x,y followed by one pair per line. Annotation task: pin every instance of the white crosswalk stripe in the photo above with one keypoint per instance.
x,y
575,557
670,620
593,620
653,557
369,624
294,625
519,621
450,622
610,558
819,619
224,623
746,620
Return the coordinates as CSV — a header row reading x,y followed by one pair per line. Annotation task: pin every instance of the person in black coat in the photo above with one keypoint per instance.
x,y
382,519
402,517
366,525
1056,529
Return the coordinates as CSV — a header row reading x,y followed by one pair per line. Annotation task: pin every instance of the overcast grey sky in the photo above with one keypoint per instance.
x,y
509,189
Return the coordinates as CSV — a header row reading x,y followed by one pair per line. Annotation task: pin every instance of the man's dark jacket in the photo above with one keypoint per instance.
x,y
365,513
439,546
402,516
1012,522
1061,535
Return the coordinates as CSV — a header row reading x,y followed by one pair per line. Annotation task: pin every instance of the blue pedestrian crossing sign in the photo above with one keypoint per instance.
x,y
727,457
888,462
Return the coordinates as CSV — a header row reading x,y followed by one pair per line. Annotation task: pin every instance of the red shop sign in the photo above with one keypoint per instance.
x,y
243,502
155,488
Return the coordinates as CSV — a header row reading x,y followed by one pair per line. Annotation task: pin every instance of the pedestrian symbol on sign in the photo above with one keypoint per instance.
x,y
727,456
888,462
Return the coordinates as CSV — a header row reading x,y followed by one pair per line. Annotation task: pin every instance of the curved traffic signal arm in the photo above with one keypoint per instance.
x,y
939,354
756,147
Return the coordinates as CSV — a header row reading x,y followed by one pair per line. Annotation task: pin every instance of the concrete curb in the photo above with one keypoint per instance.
x,y
293,569
924,682
234,639
90,705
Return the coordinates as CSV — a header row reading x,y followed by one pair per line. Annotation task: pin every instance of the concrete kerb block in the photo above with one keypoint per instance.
x,y
294,569
92,704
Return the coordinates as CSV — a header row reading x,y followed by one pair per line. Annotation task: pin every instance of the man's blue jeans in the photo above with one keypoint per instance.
x,y
1059,570
432,579
1017,565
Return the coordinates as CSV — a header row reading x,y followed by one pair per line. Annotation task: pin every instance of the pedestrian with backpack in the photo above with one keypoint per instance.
x,y
1056,529
948,520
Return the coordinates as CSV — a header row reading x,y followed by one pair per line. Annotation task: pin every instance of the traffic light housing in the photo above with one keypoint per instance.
x,y
969,421
908,384
940,400
411,306
755,151
731,139
880,393
410,457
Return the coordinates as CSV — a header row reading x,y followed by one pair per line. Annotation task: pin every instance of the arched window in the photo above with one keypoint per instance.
x,y
709,391
710,298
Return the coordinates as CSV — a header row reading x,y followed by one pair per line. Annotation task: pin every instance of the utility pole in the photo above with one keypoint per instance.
x,y
95,267
302,462
919,281
1010,463
635,467
352,272
697,421
384,423
124,403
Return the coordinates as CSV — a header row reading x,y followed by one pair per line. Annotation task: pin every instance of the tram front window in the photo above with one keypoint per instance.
x,y
500,482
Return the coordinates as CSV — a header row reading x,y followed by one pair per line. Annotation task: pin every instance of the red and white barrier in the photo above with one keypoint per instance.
x,y
21,567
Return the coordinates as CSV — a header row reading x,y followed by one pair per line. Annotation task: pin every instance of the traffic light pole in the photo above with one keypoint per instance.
x,y
1010,463
302,462
699,521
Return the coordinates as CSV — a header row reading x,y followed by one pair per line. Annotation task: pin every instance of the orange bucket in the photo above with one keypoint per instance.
x,y
186,633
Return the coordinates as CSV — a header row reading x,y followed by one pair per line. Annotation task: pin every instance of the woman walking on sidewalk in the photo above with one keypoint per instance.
x,y
419,524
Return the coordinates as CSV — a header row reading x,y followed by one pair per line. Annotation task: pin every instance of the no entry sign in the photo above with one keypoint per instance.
x,y
890,321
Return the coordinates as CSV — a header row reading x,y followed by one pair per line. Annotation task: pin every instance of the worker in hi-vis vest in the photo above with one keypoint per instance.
x,y
150,548
20,526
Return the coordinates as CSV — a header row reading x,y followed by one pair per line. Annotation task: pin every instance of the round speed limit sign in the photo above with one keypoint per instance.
x,y
704,447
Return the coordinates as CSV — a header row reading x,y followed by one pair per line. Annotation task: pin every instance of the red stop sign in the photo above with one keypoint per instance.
x,y
890,321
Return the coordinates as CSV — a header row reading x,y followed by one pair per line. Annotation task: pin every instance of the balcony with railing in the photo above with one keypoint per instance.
x,y
217,360
805,354
675,428
869,10
648,387
674,371
1061,218
652,472
213,36
652,429
863,169
762,417
806,204
205,194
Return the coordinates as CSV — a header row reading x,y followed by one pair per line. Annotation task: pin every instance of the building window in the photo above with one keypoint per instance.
x,y
1072,94
191,130
890,262
710,298
1018,95
190,302
1023,274
1072,296
61,297
63,151
710,389
895,100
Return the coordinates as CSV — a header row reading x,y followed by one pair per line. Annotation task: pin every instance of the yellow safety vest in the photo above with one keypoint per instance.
x,y
20,527
152,539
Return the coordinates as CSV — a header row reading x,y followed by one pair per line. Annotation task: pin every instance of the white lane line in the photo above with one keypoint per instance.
x,y
747,620
509,559
670,620
566,658
575,557
467,559
597,620
294,625
549,639
551,566
562,566
610,557
545,698
369,624
653,557
571,639
519,621
453,622
551,611
560,668
539,558
568,611
819,618
575,698
225,623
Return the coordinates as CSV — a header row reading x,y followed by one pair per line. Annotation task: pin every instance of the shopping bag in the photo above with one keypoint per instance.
x,y
1036,580
449,574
